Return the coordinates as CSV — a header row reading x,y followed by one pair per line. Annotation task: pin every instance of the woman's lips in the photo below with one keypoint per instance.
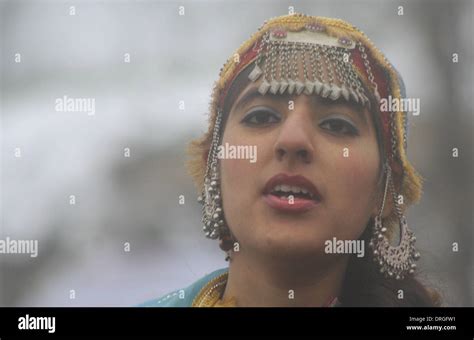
x,y
291,201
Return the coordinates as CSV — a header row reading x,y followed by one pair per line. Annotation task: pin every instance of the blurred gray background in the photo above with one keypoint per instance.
x,y
136,199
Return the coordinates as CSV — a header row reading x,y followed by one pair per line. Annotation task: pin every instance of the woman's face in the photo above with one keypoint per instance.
x,y
332,144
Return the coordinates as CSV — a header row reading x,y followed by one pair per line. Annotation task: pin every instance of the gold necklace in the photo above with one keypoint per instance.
x,y
211,293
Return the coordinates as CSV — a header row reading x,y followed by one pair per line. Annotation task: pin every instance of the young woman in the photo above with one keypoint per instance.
x,y
309,221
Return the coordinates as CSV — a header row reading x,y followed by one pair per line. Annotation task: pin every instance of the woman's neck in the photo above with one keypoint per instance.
x,y
274,283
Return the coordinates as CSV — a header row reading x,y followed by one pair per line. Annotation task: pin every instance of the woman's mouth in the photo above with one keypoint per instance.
x,y
294,194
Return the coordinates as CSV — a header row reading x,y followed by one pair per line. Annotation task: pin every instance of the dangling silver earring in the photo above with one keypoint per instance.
x,y
394,262
212,213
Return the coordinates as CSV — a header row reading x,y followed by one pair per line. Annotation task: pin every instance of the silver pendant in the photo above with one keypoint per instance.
x,y
318,86
283,86
345,93
299,87
291,86
309,87
325,91
264,86
274,86
256,73
335,92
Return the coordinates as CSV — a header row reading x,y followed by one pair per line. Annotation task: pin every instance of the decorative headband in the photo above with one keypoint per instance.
x,y
332,67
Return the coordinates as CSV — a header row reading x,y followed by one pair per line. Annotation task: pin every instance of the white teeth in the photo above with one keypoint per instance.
x,y
296,189
290,188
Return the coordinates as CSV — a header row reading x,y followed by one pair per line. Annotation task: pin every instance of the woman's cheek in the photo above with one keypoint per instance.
x,y
237,176
352,186
240,175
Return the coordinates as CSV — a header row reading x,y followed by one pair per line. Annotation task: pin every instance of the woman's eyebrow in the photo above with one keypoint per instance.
x,y
358,109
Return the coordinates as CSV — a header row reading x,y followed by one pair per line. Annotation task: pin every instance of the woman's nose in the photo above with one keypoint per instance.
x,y
294,142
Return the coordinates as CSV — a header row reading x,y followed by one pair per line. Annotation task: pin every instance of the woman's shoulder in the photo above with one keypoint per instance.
x,y
183,297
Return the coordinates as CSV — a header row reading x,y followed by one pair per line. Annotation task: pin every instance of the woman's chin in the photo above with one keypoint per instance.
x,y
293,248
297,231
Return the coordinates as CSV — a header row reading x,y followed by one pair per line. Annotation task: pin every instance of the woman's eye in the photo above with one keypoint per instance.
x,y
340,126
260,117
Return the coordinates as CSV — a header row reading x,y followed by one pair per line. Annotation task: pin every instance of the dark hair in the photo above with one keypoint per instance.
x,y
363,284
